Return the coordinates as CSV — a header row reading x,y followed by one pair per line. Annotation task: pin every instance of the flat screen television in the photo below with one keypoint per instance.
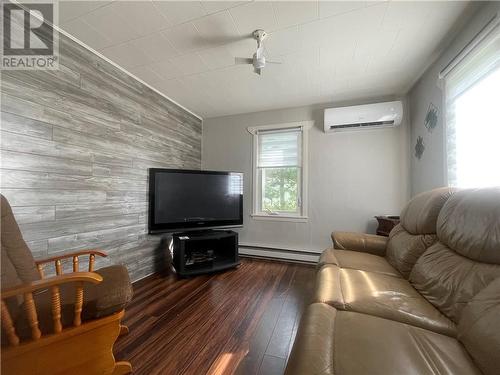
x,y
188,199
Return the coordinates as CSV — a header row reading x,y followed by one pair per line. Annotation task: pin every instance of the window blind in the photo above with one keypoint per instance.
x,y
279,148
473,68
472,116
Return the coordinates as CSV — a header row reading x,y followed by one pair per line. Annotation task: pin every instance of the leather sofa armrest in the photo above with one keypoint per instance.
x,y
366,243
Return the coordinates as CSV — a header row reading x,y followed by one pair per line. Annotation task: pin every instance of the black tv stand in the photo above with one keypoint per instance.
x,y
196,253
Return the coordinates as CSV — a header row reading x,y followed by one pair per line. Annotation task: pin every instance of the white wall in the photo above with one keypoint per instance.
x,y
430,172
352,176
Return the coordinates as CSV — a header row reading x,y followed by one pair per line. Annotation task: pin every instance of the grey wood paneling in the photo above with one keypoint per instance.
x,y
76,145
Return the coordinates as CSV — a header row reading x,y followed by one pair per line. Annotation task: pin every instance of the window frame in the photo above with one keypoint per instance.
x,y
257,214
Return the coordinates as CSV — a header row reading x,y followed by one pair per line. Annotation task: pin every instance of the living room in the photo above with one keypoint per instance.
x,y
250,187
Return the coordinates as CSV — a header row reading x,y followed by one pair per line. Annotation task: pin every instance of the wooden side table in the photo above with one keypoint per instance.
x,y
385,224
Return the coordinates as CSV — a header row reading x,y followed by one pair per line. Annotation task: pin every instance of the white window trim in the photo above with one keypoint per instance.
x,y
256,215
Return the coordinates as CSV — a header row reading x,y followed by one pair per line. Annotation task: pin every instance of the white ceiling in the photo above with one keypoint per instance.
x,y
330,51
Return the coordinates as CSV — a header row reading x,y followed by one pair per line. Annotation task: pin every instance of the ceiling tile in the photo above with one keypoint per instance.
x,y
166,70
332,83
69,10
108,23
254,15
126,55
82,31
395,16
283,41
350,65
177,12
173,88
146,74
289,13
324,33
377,42
142,15
217,29
189,64
156,46
332,8
217,57
217,6
368,18
356,49
445,11
184,37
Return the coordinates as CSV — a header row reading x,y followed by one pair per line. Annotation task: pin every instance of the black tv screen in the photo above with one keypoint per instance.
x,y
188,199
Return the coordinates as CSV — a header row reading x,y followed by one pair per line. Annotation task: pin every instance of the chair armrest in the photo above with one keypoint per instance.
x,y
70,255
27,291
49,282
366,243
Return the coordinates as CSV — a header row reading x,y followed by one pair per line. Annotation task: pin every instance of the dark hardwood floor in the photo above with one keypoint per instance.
x,y
238,322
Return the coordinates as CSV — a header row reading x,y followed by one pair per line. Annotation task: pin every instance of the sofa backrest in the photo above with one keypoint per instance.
x,y
18,265
417,229
466,257
479,328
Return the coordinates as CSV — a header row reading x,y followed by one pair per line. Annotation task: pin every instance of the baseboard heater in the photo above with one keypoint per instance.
x,y
257,251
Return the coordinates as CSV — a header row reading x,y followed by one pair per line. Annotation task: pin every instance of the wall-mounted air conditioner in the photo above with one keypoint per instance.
x,y
368,116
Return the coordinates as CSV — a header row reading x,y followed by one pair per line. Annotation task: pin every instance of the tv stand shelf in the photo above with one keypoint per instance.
x,y
196,253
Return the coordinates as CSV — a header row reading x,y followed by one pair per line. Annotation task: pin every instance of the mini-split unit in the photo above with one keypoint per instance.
x,y
359,117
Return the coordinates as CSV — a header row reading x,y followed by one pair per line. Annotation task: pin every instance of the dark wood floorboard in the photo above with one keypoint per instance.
x,y
238,322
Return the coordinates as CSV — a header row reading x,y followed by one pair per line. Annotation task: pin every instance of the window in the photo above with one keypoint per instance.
x,y
473,116
280,171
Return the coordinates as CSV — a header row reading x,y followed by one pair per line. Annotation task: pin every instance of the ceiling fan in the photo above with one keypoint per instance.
x,y
258,60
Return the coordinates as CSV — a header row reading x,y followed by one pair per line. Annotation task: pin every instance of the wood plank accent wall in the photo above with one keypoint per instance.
x,y
76,145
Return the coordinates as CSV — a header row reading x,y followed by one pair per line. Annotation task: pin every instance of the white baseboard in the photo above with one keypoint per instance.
x,y
279,248
279,254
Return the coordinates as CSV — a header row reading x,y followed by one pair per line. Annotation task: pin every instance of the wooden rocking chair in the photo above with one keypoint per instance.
x,y
63,324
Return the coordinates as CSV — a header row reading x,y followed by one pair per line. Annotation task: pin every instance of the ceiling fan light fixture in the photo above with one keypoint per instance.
x,y
258,59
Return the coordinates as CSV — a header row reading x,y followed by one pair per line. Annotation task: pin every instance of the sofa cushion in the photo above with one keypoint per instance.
x,y
15,248
9,273
404,248
417,229
386,347
479,328
111,295
358,261
449,281
10,279
420,214
467,257
379,295
313,349
469,224
99,300
332,342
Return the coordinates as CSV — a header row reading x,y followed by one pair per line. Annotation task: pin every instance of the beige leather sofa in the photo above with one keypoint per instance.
x,y
424,301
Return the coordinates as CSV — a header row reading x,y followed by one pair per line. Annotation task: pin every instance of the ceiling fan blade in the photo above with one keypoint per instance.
x,y
273,62
243,60
258,71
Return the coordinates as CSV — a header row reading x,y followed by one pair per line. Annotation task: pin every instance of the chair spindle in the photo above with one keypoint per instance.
x,y
75,264
58,267
8,326
31,315
78,304
91,262
40,270
56,309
